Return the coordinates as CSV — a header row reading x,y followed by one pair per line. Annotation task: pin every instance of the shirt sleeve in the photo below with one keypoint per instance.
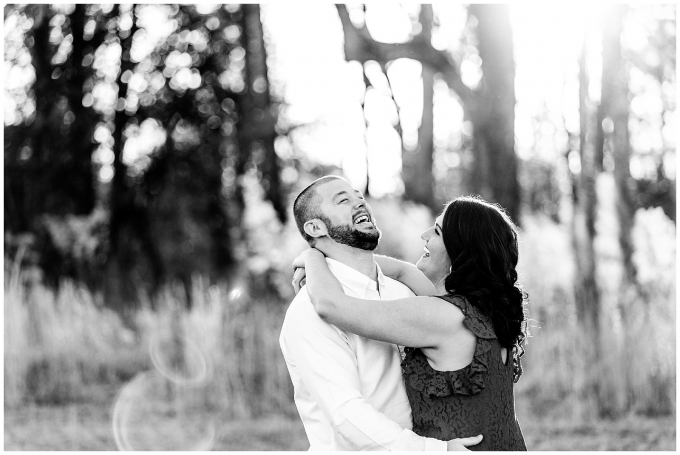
x,y
327,365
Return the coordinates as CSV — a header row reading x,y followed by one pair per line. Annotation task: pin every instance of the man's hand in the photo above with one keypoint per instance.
x,y
462,444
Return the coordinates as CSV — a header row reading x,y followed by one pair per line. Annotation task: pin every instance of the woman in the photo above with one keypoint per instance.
x,y
465,336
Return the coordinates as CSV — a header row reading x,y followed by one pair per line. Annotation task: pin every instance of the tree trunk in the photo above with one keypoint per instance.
x,y
360,46
615,93
417,164
493,115
258,109
62,131
32,196
619,105
491,107
119,289
367,83
56,177
120,198
586,291
77,177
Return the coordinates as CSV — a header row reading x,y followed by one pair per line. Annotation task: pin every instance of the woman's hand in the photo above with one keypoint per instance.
x,y
406,273
414,321
307,254
299,264
299,279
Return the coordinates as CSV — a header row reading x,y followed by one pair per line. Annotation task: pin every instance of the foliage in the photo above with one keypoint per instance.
x,y
540,188
152,113
654,239
74,246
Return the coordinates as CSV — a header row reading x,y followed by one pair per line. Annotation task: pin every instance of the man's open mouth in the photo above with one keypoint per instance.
x,y
362,218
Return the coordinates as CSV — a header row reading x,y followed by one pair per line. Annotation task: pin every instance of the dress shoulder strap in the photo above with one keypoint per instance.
x,y
477,322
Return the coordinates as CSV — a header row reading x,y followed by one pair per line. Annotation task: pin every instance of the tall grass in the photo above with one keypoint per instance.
x,y
59,345
239,338
637,370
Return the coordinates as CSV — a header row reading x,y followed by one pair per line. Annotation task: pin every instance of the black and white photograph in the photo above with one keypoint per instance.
x,y
301,225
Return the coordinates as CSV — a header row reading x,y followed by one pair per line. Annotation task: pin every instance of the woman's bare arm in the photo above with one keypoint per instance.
x,y
402,271
415,321
406,273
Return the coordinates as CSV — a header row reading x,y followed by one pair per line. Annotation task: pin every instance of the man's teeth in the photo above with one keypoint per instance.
x,y
361,219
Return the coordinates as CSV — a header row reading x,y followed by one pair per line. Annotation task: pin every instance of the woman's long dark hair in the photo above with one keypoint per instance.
x,y
481,241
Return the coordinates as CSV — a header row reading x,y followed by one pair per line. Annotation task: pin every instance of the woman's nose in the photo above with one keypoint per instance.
x,y
424,235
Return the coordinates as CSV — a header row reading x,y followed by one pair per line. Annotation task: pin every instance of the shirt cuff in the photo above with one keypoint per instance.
x,y
435,445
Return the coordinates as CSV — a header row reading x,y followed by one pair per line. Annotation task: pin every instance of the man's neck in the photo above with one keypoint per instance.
x,y
439,288
360,260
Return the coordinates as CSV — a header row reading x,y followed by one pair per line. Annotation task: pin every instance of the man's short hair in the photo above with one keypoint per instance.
x,y
306,205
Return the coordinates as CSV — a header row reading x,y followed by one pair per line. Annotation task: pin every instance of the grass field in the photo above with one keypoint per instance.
x,y
87,426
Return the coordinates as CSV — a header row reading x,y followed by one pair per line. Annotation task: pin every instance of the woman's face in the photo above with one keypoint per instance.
x,y
435,262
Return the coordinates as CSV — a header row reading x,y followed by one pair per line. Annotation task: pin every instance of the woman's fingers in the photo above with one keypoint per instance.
x,y
298,279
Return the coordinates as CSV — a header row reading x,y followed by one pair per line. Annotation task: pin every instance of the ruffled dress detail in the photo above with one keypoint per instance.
x,y
476,399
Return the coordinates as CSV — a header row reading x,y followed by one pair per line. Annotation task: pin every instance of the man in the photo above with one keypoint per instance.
x,y
348,389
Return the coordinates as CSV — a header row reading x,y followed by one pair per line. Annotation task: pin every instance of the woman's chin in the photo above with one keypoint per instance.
x,y
422,266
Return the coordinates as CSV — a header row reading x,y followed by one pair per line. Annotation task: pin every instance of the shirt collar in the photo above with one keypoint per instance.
x,y
355,280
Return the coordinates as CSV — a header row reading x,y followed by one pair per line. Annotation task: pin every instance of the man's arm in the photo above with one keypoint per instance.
x,y
327,366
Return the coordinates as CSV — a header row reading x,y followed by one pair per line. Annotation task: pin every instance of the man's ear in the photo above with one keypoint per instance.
x,y
315,228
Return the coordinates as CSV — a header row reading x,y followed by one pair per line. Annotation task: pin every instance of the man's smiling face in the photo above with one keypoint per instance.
x,y
348,217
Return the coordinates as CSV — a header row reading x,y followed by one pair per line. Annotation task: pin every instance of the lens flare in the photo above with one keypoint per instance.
x,y
154,413
164,409
180,360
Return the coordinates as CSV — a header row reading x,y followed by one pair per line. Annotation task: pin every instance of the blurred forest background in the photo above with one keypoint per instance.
x,y
152,153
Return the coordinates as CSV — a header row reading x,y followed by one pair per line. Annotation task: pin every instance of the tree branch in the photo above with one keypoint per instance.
x,y
360,46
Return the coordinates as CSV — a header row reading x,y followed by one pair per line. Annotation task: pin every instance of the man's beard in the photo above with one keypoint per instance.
x,y
350,236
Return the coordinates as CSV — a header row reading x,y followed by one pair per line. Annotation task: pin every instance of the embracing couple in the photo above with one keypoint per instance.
x,y
385,355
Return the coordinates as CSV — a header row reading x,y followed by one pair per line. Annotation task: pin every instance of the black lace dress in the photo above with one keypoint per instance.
x,y
477,399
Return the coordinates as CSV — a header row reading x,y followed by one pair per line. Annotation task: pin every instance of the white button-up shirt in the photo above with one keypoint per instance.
x,y
349,389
